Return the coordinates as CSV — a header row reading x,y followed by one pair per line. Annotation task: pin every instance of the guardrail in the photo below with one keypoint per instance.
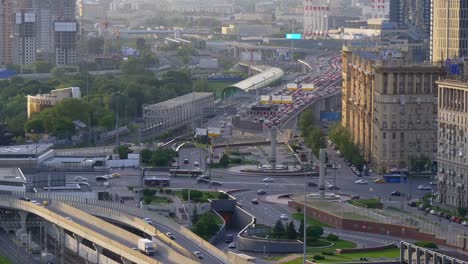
x,y
92,236
111,208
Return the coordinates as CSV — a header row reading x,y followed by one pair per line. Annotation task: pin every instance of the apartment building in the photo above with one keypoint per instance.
x,y
39,102
389,105
453,143
6,32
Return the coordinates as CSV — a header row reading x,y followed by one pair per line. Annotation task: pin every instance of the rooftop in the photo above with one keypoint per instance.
x,y
265,76
12,175
31,149
181,100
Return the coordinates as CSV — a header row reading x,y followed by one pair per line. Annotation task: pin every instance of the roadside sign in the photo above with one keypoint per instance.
x,y
201,132
214,132
293,36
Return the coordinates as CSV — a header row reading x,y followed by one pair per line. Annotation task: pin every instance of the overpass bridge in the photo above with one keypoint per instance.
x,y
84,225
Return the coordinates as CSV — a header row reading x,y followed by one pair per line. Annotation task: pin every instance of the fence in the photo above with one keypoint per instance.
x,y
114,208
85,152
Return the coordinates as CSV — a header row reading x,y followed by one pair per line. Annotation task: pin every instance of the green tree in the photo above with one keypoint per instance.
x,y
306,121
301,227
42,67
278,229
133,66
206,226
162,157
58,73
462,211
146,156
123,152
195,195
224,161
314,233
291,232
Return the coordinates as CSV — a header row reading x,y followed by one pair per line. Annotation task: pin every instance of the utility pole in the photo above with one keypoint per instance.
x,y
304,260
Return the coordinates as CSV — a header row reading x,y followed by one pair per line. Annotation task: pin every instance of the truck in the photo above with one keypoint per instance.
x,y
146,246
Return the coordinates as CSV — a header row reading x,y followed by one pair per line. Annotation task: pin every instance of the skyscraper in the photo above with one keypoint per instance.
x,y
25,37
316,17
449,33
6,32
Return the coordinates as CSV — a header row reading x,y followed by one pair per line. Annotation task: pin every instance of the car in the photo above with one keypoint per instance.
x,y
170,235
395,193
424,188
229,238
216,183
268,179
35,202
333,188
284,217
202,180
80,179
115,175
422,207
68,218
25,199
186,161
432,183
103,178
379,181
255,201
198,254
433,212
196,164
261,192
456,219
464,223
312,184
148,221
361,182
232,245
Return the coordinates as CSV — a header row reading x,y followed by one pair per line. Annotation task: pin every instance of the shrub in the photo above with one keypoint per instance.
x,y
328,253
147,200
168,191
332,237
223,196
149,192
426,244
318,257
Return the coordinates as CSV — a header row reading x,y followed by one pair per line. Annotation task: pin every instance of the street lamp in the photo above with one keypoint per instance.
x,y
116,94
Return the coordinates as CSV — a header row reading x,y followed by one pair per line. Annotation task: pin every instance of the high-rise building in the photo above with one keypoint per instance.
x,y
449,32
6,32
389,106
65,34
44,30
379,9
453,143
316,17
25,37
395,11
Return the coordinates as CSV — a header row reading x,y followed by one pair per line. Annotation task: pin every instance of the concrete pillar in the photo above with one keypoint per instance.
x,y
418,256
98,251
79,240
23,216
322,158
273,147
402,252
410,255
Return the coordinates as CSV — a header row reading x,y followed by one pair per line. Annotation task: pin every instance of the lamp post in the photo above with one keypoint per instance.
x,y
116,94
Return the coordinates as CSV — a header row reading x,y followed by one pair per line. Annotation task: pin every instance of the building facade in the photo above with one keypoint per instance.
x,y
449,33
389,107
453,143
25,40
39,102
316,17
6,32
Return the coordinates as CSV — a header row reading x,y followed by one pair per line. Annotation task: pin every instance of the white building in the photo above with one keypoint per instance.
x,y
316,17
39,102
12,180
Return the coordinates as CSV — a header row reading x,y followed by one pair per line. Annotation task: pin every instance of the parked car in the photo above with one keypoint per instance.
x,y
395,193
424,188
196,164
80,179
25,199
284,217
186,161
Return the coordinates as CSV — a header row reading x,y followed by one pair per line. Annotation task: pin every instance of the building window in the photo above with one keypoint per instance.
x,y
384,135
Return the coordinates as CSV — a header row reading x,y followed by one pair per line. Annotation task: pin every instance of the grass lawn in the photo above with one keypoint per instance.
x,y
4,260
160,200
217,87
341,244
218,220
310,221
352,257
204,199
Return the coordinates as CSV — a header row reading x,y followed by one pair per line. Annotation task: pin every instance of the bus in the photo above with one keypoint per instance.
x,y
156,182
185,173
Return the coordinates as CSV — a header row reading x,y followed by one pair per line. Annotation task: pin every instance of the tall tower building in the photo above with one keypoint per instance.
x,y
316,17
380,8
6,32
65,30
395,11
44,29
449,33
25,37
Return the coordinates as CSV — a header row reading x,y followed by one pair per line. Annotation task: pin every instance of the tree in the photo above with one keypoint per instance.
x,y
195,195
306,121
132,66
224,161
194,216
291,232
123,152
301,227
95,45
146,156
462,211
42,67
314,233
58,73
278,229
206,226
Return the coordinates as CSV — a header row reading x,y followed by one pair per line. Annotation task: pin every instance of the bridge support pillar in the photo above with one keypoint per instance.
x,y
427,257
23,215
126,261
99,252
78,240
419,253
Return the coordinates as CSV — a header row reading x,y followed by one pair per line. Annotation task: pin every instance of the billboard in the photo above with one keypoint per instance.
x,y
307,87
291,86
65,26
265,99
287,99
276,99
214,132
293,36
200,132
251,56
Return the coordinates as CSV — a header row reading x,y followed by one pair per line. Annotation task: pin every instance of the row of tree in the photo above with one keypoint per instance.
x,y
314,138
343,140
288,231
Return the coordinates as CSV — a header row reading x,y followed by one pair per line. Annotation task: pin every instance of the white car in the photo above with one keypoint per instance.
x,y
103,178
80,179
232,245
284,217
148,221
424,188
268,179
361,182
465,223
